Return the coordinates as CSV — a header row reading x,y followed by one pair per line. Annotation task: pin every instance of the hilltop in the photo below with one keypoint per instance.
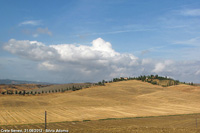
x,y
153,79
33,88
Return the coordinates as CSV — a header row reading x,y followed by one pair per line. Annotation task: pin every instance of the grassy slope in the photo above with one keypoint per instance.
x,y
115,100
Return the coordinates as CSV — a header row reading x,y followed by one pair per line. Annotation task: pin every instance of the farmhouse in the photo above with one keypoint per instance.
x,y
124,78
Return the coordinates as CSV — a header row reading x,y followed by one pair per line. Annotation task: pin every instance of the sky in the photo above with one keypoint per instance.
x,y
69,41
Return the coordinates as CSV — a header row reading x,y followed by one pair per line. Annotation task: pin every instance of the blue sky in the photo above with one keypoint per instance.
x,y
87,40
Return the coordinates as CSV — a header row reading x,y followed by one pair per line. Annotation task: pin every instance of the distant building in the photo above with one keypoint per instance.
x,y
125,78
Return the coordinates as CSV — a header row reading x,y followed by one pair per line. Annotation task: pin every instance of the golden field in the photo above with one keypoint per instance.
x,y
152,124
20,87
114,100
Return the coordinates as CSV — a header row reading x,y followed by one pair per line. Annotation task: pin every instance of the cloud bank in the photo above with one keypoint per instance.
x,y
98,61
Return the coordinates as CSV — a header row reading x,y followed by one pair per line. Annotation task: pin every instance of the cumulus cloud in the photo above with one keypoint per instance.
x,y
31,50
48,65
159,67
146,61
99,59
100,51
81,63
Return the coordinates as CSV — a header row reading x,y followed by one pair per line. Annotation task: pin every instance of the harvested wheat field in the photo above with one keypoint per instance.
x,y
115,100
159,124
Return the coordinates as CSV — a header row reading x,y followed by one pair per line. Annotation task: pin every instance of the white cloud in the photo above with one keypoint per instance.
x,y
146,61
30,22
193,41
190,12
30,49
160,67
37,32
80,63
197,72
168,62
35,35
47,65
43,31
99,59
145,52
116,32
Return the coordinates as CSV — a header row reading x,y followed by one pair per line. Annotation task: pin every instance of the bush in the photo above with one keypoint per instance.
x,y
164,85
86,120
3,93
23,92
154,82
9,92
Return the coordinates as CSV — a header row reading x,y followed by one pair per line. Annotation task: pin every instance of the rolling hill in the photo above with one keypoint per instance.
x,y
10,81
114,100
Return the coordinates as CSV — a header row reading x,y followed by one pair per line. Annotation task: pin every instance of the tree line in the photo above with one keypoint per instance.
x,y
144,78
34,92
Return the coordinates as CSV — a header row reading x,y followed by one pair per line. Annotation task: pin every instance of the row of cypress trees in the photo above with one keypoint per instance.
x,y
23,92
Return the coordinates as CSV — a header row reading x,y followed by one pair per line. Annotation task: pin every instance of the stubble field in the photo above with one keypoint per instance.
x,y
115,100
